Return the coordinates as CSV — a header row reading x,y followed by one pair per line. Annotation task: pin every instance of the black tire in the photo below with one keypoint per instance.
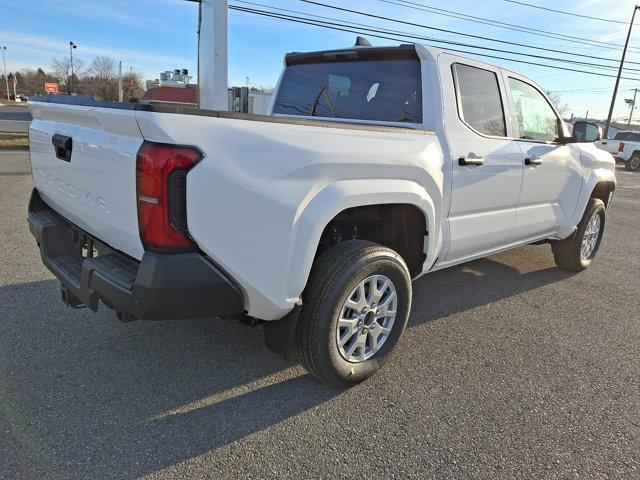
x,y
633,164
334,275
567,252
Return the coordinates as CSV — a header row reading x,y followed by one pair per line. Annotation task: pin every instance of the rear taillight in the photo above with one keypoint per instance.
x,y
161,181
621,147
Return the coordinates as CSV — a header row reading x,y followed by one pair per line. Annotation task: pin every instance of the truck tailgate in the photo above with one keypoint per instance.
x,y
83,160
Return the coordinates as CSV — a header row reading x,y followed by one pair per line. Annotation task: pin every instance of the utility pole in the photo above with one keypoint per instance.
x,y
212,55
633,106
6,79
72,46
615,90
120,81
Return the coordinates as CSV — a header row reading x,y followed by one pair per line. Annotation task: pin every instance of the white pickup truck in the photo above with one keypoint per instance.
x,y
625,148
376,166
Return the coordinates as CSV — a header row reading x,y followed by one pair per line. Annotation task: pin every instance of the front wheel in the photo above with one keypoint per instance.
x,y
355,309
633,163
575,253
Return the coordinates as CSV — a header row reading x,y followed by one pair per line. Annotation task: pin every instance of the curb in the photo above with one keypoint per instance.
x,y
9,151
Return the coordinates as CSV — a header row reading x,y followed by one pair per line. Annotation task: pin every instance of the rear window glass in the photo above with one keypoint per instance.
x,y
377,90
632,136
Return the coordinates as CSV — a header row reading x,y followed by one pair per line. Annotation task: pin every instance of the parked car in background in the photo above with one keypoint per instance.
x,y
625,148
376,166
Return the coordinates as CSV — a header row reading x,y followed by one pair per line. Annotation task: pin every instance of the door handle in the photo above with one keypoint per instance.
x,y
63,146
471,160
533,161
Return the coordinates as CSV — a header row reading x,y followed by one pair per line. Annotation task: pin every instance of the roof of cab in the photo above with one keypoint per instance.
x,y
359,52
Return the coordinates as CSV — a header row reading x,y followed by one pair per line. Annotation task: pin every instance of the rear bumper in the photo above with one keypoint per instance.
x,y
160,286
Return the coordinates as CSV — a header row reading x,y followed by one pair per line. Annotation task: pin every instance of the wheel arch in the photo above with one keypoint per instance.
x,y
336,198
600,182
401,227
603,190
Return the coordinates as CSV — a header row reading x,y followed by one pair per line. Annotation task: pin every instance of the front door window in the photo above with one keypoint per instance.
x,y
536,118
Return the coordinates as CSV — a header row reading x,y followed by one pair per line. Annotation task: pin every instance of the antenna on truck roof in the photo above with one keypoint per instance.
x,y
362,42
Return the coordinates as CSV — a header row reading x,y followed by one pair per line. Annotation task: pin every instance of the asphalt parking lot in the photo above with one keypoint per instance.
x,y
510,368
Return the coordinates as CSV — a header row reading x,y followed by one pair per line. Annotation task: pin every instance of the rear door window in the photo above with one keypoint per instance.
x,y
480,103
386,90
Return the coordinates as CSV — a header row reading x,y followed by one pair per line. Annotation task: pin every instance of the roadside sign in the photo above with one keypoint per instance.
x,y
51,87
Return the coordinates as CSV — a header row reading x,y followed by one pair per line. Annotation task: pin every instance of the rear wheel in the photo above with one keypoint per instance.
x,y
575,253
355,309
633,163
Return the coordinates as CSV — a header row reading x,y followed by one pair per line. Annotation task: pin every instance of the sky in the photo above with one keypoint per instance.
x,y
151,36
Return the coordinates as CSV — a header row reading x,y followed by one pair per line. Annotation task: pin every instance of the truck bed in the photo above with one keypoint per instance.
x,y
264,184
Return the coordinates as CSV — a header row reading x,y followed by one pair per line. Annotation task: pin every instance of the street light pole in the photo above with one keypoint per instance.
x,y
72,46
6,79
633,106
615,89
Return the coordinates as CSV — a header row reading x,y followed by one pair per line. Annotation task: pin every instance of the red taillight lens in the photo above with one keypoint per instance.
x,y
161,173
621,147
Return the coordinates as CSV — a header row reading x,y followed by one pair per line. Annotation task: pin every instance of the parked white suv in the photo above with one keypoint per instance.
x,y
376,166
625,148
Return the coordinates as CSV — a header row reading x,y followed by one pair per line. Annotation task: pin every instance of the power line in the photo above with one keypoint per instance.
x,y
563,52
450,42
505,25
566,13
345,28
413,24
592,91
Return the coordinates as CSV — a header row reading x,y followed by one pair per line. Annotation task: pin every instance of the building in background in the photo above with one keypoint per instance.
x,y
178,78
173,87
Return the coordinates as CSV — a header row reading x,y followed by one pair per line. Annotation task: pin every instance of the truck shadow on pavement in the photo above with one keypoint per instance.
x,y
83,395
482,282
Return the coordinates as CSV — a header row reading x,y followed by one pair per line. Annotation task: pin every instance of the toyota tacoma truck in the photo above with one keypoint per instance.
x,y
376,165
625,148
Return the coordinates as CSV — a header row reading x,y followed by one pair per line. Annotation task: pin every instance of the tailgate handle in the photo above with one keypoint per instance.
x,y
63,146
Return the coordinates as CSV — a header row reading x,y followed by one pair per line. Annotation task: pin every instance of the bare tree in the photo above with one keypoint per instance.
x,y
62,68
103,68
132,87
556,99
102,78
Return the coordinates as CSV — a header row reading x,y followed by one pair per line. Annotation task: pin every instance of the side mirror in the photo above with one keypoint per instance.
x,y
586,132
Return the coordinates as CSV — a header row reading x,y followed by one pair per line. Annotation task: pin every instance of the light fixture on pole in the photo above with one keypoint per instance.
x,y
615,89
6,79
72,46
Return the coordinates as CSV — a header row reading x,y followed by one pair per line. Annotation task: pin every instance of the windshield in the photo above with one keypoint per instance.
x,y
382,90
